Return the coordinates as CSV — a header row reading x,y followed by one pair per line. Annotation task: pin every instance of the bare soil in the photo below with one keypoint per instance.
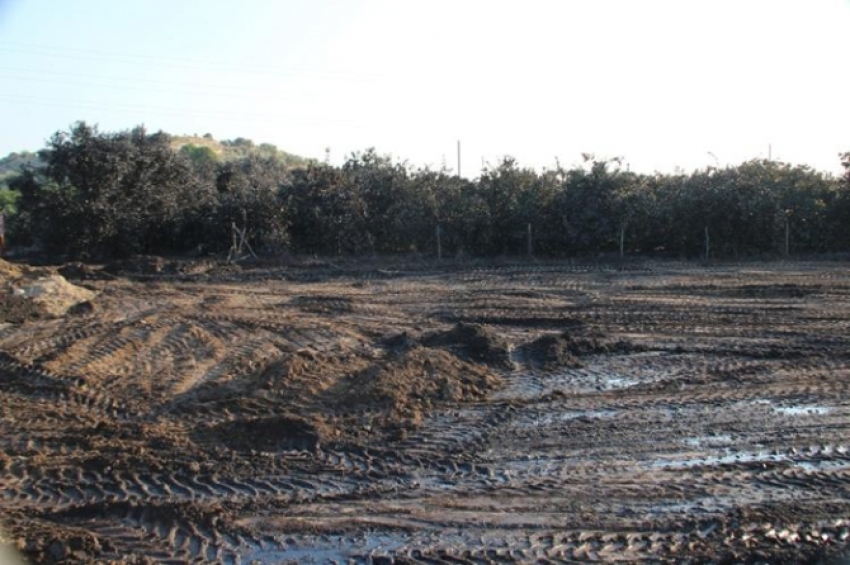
x,y
424,413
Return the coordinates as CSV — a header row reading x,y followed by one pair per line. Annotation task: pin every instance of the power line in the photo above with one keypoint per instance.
x,y
184,88
182,63
158,110
78,75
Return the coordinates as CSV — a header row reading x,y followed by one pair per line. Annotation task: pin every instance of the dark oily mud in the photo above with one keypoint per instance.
x,y
549,352
315,413
474,341
270,433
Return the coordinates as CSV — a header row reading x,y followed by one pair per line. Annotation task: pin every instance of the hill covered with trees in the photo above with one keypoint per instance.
x,y
199,149
206,147
11,166
100,195
14,163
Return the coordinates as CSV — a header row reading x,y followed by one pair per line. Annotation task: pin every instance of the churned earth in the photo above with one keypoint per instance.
x,y
418,412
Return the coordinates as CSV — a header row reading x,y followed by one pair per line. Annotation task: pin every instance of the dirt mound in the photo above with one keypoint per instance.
x,y
36,293
53,294
271,433
415,380
475,342
551,352
9,271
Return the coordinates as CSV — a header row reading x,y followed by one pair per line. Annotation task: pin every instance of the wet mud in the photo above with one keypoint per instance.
x,y
547,413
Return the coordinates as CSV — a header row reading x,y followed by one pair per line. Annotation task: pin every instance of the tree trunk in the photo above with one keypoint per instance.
x,y
439,242
530,247
707,244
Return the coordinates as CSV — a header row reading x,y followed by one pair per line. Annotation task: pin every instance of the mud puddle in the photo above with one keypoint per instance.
x,y
803,410
541,418
728,458
327,549
596,377
709,441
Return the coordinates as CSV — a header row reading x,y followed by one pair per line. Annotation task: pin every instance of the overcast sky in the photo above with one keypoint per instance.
x,y
662,83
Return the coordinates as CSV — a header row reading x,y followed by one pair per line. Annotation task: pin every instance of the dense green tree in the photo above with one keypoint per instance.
x,y
250,198
592,213
104,194
375,184
8,200
839,212
503,191
636,211
323,211
109,194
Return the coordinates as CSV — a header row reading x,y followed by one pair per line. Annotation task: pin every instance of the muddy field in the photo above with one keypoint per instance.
x,y
424,414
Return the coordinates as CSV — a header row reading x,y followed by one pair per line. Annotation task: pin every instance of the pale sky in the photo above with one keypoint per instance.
x,y
659,82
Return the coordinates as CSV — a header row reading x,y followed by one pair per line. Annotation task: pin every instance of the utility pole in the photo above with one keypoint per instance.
x,y
769,152
458,158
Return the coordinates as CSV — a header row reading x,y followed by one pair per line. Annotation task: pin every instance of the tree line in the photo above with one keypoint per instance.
x,y
98,195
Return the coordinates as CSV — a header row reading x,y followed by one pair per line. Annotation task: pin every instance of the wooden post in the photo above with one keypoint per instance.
x,y
234,251
707,244
439,242
530,246
245,242
239,240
